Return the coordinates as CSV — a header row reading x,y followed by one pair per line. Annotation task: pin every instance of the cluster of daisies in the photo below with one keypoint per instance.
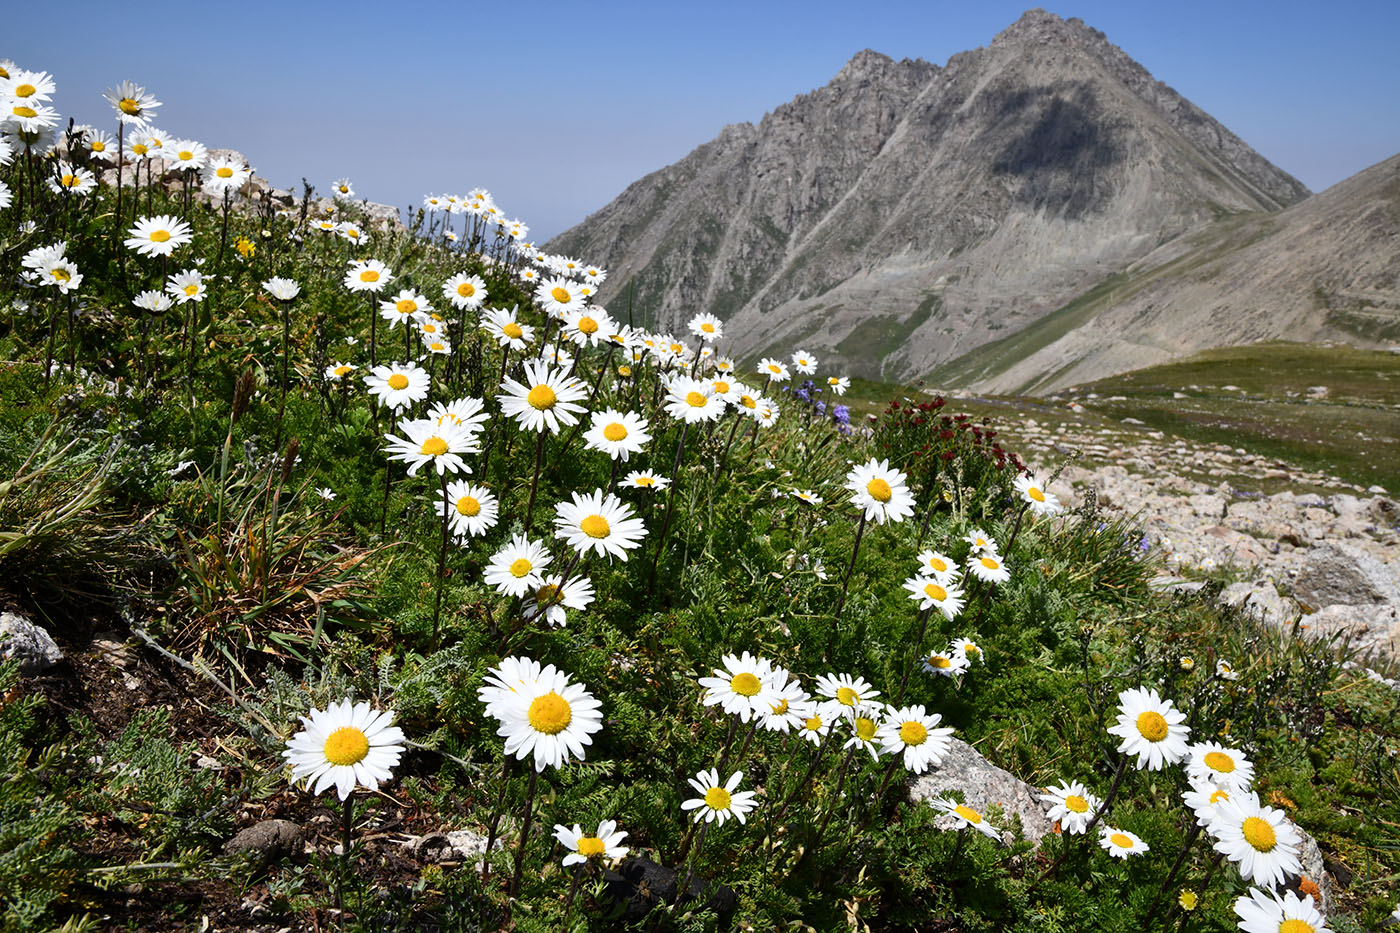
x,y
1258,839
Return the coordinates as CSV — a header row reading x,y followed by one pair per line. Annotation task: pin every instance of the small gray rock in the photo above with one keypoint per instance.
x,y
27,643
268,842
982,784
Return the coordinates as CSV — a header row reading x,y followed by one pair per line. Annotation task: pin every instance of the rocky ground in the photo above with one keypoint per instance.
x,y
1295,546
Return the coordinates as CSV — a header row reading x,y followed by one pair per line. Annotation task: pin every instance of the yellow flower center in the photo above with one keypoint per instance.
x,y
191,290
128,106
774,368
1219,761
70,181
433,447
369,275
935,592
590,846
780,707
520,567
342,370
185,155
346,746
468,506
879,490
23,111
466,290
865,728
1121,841
721,387
398,382
561,294
1152,725
645,481
98,145
512,330
913,733
406,306
595,526
615,432
550,714
846,696
1219,795
940,661
541,398
1259,834
717,798
813,724
25,90
1035,494
991,563
1294,925
745,684
586,325
160,236
967,813
748,401
695,400
1187,900
138,149
938,564
547,594
61,275
1076,804
223,171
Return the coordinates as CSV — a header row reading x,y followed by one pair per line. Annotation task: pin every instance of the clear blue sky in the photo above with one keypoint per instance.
x,y
557,107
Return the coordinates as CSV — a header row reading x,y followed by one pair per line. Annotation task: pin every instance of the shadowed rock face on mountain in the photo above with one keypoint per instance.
x,y
905,214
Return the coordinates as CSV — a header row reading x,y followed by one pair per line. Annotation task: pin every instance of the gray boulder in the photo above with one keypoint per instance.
x,y
1262,600
27,643
983,785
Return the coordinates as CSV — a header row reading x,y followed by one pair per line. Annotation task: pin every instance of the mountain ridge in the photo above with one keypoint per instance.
x,y
905,213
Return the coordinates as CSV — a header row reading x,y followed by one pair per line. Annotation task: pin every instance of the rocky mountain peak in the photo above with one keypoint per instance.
x,y
1042,26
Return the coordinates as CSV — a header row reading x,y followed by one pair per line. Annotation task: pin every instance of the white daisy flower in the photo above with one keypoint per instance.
x,y
966,816
864,722
160,235
558,296
617,433
186,155
1225,670
692,401
839,384
327,493
546,400
599,522
1120,843
1260,839
552,600
718,802
1220,765
945,663
1151,728
466,412
345,745
587,327
1266,912
367,275
846,690
933,592
644,479
916,735
880,491
1203,798
471,509
282,289
398,384
600,845
1033,492
937,565
551,719
770,368
806,495
804,362
968,649
403,307
225,175
1072,806
707,327
465,291
792,708
186,285
988,567
506,330
981,542
153,301
516,568
816,726
745,688
70,179
338,371
132,103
